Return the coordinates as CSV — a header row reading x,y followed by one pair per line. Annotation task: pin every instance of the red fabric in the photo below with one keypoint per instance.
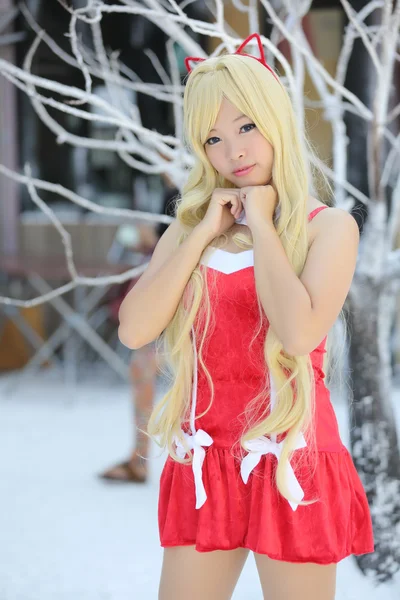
x,y
255,515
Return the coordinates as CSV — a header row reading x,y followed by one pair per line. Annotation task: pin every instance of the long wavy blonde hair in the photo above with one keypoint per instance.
x,y
259,95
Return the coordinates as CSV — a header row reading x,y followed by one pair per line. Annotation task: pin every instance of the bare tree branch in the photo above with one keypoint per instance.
x,y
123,213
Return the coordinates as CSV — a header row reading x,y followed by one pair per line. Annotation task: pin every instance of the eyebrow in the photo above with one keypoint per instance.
x,y
234,120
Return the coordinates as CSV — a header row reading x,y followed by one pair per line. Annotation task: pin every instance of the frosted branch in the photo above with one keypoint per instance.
x,y
157,91
341,182
73,92
363,110
56,188
358,26
88,281
65,236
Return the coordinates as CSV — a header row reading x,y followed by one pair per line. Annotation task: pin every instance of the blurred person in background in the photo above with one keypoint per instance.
x,y
143,376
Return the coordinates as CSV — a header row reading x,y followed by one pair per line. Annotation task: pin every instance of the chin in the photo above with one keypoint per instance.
x,y
250,183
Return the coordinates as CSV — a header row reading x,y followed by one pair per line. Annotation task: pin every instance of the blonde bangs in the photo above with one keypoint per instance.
x,y
202,102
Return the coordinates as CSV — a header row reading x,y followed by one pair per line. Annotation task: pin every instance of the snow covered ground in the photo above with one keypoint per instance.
x,y
67,535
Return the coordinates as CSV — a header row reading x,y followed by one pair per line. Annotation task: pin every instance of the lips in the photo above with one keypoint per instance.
x,y
243,170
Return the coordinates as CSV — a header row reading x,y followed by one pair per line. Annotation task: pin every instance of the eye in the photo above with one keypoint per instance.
x,y
251,125
248,125
209,140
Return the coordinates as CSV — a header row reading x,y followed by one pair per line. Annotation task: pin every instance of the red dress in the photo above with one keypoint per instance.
x,y
219,502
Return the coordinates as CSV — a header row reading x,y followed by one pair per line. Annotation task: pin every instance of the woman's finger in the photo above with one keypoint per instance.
x,y
234,202
238,208
229,197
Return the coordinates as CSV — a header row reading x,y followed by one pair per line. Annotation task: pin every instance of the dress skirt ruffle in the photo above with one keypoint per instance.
x,y
256,516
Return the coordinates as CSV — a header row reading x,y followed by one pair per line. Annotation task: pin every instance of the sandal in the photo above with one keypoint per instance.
x,y
129,471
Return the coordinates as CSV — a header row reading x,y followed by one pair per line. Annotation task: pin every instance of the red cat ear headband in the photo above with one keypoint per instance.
x,y
261,58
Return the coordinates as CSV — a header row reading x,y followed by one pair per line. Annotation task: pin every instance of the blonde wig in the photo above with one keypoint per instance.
x,y
253,90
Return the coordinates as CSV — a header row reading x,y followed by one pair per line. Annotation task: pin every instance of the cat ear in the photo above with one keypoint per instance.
x,y
261,57
192,61
242,46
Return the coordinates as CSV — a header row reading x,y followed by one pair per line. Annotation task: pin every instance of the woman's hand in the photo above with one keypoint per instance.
x,y
224,208
259,203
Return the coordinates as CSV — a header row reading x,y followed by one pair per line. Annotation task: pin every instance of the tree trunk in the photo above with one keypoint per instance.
x,y
373,435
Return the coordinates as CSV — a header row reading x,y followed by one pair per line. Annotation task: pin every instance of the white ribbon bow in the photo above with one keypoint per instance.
x,y
196,443
263,445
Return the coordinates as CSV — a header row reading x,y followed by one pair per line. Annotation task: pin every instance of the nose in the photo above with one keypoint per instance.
x,y
235,152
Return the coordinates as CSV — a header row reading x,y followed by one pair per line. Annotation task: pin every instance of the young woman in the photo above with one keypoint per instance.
x,y
244,287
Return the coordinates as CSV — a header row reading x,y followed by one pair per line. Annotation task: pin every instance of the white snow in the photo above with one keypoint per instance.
x,y
66,534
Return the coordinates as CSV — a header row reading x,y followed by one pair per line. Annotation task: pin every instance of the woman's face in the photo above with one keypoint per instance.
x,y
235,143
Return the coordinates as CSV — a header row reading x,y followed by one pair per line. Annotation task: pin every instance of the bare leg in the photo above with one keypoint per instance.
x,y
295,581
143,371
143,377
187,573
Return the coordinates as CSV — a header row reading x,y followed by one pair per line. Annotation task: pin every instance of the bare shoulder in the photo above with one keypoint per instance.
x,y
174,230
325,216
166,245
314,203
333,214
169,240
334,224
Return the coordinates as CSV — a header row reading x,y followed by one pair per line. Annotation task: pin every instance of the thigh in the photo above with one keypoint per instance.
x,y
295,581
187,573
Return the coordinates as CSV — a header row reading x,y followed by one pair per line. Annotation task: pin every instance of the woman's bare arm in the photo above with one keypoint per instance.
x,y
302,309
150,305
